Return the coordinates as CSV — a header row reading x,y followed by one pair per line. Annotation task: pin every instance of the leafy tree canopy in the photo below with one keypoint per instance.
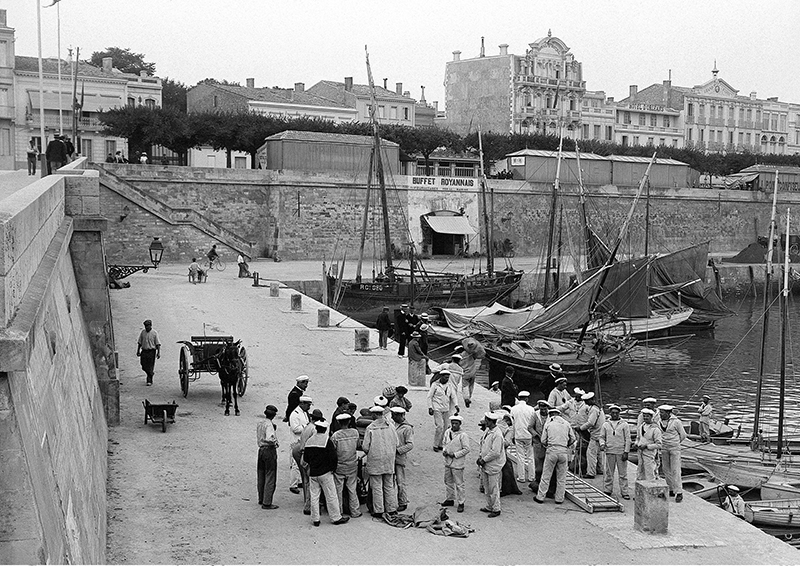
x,y
173,95
125,60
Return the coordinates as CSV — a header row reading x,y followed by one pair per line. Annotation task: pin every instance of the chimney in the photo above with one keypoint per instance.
x,y
633,90
610,99
386,84
299,87
667,84
422,100
398,88
753,95
142,73
251,82
456,55
3,21
436,105
107,64
407,93
483,49
348,84
504,49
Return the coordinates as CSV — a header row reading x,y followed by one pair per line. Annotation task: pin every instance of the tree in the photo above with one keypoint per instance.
x,y
173,95
125,60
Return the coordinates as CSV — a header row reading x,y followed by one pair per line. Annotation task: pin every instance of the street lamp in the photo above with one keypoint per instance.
x,y
117,272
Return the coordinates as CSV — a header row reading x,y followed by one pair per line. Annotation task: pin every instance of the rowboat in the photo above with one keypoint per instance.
x,y
749,475
780,490
774,513
701,485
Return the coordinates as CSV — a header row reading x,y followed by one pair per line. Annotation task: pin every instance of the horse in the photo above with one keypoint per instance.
x,y
230,370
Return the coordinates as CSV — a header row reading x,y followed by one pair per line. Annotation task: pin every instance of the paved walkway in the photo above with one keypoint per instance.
x,y
12,181
189,496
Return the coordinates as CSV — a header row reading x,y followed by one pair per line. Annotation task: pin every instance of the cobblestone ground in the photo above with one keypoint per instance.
x,y
189,495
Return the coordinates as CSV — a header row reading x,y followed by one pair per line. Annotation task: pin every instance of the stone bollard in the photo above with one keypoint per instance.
x,y
297,301
651,508
323,318
274,289
255,279
362,339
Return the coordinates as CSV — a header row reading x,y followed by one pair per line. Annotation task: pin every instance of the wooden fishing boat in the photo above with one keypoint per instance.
x,y
780,490
773,513
701,485
749,475
658,323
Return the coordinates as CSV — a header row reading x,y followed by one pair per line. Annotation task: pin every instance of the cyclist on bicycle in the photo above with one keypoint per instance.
x,y
212,255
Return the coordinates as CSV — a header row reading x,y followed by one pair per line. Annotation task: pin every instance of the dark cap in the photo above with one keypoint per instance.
x,y
316,415
342,401
402,390
271,409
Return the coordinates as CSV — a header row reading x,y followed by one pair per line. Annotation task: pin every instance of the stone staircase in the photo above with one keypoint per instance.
x,y
170,215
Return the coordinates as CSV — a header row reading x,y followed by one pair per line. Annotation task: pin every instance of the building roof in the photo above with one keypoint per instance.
x,y
325,137
639,159
554,154
50,66
659,95
278,95
334,90
764,168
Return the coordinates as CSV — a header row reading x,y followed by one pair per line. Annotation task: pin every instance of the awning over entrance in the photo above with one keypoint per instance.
x,y
450,225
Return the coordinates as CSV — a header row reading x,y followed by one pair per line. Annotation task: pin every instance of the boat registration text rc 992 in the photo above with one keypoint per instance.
x,y
374,287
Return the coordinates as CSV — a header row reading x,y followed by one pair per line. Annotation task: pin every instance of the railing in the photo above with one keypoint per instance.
x,y
52,122
464,172
549,82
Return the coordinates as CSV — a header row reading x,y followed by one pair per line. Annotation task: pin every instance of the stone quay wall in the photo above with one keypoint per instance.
x,y
315,216
53,432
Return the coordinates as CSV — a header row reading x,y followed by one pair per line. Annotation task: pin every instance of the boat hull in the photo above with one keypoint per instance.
x,y
365,301
774,513
659,323
785,490
747,475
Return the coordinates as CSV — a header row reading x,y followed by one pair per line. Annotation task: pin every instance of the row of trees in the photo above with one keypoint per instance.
x,y
246,131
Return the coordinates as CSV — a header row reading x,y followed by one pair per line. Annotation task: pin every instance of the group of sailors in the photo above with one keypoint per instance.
x,y
533,441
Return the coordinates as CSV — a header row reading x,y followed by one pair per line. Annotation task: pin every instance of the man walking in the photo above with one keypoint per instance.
x,y
473,352
672,434
383,325
402,330
523,414
536,428
592,428
267,467
557,437
345,440
491,461
298,420
319,455
148,349
380,446
648,442
615,441
705,411
56,154
442,402
405,443
456,448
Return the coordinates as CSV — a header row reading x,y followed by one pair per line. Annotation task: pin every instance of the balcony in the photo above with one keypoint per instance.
x,y
7,112
545,81
716,121
52,122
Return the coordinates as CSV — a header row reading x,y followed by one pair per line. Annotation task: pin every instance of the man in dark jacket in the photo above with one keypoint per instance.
x,y
384,325
293,399
402,329
320,456
56,154
508,389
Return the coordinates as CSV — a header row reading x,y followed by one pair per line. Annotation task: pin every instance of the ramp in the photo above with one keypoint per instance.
x,y
588,497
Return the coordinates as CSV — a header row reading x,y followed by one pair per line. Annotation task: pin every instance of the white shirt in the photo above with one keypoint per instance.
x,y
240,259
298,419
523,415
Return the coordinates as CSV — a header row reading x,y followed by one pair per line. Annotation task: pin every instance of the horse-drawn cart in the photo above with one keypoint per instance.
x,y
204,354
160,413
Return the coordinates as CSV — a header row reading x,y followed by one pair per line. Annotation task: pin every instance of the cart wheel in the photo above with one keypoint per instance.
x,y
183,370
163,420
241,384
220,265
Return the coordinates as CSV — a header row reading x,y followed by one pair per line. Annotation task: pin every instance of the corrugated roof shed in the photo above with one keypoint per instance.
x,y
547,153
295,135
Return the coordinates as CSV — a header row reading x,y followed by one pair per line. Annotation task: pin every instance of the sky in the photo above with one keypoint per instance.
x,y
280,42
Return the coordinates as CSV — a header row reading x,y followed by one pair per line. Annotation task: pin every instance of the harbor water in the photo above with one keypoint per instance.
x,y
722,363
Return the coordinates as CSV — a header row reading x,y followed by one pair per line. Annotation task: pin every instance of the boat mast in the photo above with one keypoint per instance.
x,y
765,323
486,224
379,169
556,184
584,216
784,324
366,216
647,224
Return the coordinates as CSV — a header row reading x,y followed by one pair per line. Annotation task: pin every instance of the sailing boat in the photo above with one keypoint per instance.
x,y
364,300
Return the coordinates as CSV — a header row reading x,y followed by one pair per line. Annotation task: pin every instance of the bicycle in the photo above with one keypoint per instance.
x,y
217,264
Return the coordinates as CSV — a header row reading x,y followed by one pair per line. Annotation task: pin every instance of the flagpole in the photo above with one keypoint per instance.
x,y
43,153
60,110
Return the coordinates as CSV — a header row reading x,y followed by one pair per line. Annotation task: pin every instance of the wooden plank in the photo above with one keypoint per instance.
x,y
588,497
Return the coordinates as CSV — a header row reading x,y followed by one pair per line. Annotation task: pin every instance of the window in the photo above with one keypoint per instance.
x,y
662,141
642,119
3,53
624,141
783,122
586,131
393,112
405,113
731,113
239,162
749,114
215,105
675,142
86,148
719,112
730,138
702,110
797,136
572,104
774,121
748,138
666,122
132,101
609,132
3,97
626,118
691,109
653,120
651,141
702,135
150,103
741,138
381,111
741,114
111,147
635,140
690,133
5,141
758,115
597,132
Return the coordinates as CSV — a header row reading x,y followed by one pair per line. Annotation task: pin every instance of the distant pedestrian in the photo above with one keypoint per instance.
x,y
405,443
557,437
143,159
456,448
648,442
32,152
508,389
457,376
148,349
267,468
345,440
196,273
384,325
705,409
212,255
672,434
473,353
319,455
402,330
110,158
442,402
416,361
380,446
70,148
56,154
491,461
615,442
118,157
244,271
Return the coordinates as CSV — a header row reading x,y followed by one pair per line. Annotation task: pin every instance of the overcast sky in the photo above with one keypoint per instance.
x,y
280,42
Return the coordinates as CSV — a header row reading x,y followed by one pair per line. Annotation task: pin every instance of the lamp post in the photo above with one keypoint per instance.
x,y
156,249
